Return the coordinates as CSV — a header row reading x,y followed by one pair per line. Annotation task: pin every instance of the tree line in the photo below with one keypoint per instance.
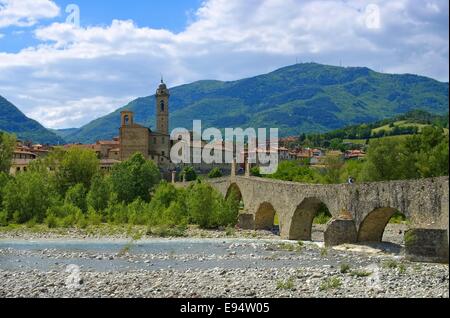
x,y
67,189
335,139
418,156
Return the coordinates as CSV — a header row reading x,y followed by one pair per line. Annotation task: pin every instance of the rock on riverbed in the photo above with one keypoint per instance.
x,y
423,281
215,268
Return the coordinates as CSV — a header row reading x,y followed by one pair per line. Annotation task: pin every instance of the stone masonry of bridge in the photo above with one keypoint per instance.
x,y
360,211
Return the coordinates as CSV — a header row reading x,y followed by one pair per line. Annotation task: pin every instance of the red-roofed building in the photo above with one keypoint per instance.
x,y
355,155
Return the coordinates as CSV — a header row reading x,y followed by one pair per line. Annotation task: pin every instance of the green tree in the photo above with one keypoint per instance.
x,y
137,212
28,197
354,169
295,171
431,152
228,210
215,173
336,144
418,156
134,178
4,178
65,215
168,206
189,174
76,166
333,166
203,204
99,194
389,159
52,161
76,196
254,172
7,146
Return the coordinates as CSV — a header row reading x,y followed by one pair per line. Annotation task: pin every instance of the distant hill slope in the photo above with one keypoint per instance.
x,y
301,98
12,120
63,133
412,122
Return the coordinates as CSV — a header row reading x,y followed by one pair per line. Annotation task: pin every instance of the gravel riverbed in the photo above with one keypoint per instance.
x,y
212,267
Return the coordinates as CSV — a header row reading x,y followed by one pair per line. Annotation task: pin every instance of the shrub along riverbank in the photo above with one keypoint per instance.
x,y
67,189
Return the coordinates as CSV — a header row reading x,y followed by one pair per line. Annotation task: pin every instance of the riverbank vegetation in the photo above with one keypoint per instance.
x,y
422,155
67,189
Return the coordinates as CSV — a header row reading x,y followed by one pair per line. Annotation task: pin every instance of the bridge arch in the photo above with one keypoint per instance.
x,y
302,220
234,188
265,217
374,224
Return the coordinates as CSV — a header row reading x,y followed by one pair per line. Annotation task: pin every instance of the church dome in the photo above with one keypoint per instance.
x,y
162,89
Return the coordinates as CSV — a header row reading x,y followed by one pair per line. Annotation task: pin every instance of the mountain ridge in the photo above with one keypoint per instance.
x,y
300,98
12,120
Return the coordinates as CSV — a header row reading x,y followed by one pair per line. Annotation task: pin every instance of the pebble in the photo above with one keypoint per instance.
x,y
308,272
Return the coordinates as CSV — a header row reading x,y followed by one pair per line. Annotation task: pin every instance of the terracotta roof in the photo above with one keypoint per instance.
x,y
335,153
79,146
24,152
108,142
108,161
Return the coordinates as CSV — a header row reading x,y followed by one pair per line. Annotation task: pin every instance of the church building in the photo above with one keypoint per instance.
x,y
154,145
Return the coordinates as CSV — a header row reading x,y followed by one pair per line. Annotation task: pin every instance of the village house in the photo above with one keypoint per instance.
x,y
20,161
355,155
24,154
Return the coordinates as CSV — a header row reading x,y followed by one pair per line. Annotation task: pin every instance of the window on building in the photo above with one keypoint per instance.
x,y
162,105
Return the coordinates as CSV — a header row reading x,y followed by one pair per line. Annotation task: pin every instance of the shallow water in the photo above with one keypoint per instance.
x,y
181,254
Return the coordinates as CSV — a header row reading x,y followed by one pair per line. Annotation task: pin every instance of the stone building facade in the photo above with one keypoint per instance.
x,y
154,145
25,154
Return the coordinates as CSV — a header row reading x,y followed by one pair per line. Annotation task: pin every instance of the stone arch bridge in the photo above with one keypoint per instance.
x,y
360,211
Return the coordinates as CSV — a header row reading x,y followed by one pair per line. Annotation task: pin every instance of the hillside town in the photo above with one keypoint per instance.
x,y
108,153
156,145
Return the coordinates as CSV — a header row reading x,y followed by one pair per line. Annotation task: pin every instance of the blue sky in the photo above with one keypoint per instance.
x,y
66,75
171,15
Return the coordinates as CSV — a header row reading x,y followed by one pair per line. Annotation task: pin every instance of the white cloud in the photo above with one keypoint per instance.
x,y
26,12
97,69
71,112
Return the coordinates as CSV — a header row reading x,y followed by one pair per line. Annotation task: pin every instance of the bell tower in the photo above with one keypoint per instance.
x,y
162,109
